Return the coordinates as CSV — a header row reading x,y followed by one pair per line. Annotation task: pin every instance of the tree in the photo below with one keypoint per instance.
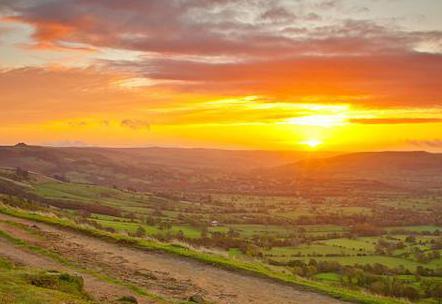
x,y
165,225
410,292
180,235
204,232
433,289
141,232
410,239
149,220
232,233
366,229
21,174
378,287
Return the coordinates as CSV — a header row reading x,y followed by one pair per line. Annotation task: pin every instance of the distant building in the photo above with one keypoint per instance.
x,y
214,223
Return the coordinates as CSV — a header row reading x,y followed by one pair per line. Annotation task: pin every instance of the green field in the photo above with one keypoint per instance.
x,y
293,235
365,245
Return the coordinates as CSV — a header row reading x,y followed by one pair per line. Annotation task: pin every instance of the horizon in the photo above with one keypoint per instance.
x,y
312,151
326,75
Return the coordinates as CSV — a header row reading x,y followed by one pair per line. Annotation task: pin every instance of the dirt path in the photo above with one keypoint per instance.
x,y
162,273
99,290
102,291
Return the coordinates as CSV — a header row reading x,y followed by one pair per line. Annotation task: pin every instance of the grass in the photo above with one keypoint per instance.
x,y
58,258
87,193
391,262
127,226
290,253
255,268
24,285
360,244
328,277
423,228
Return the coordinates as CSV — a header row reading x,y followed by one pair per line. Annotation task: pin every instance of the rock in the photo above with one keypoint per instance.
x,y
128,299
55,280
196,298
147,274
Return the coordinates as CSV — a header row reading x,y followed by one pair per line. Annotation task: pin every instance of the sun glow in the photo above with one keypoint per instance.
x,y
312,143
326,121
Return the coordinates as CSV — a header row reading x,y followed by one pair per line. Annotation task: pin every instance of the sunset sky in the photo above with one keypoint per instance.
x,y
339,75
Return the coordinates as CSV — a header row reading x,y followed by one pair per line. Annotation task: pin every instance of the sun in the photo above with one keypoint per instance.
x,y
312,143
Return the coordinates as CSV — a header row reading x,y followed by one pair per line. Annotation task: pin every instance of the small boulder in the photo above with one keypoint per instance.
x,y
196,298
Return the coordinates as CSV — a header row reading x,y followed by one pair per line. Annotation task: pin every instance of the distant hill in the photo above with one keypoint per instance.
x,y
142,168
414,169
179,169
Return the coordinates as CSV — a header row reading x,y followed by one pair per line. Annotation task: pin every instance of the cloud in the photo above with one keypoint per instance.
x,y
66,143
435,143
388,121
77,124
385,80
248,47
278,14
45,93
135,124
329,4
230,28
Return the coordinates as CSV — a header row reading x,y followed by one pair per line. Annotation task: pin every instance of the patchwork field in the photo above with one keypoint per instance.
x,y
335,240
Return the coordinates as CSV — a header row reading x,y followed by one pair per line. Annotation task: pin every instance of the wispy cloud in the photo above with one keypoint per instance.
x,y
135,124
387,121
434,143
66,143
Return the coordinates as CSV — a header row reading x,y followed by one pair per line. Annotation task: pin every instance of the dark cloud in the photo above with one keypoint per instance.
x,y
206,28
135,124
329,4
278,14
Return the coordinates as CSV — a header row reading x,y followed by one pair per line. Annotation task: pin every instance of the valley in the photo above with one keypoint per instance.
x,y
339,236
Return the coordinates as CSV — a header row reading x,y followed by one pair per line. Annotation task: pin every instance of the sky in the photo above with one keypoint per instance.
x,y
339,75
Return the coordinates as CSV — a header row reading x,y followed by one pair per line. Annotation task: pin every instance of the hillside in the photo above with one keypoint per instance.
x,y
178,169
142,168
415,169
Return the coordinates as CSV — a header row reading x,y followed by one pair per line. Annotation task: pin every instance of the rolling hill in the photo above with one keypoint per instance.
x,y
143,168
179,169
415,169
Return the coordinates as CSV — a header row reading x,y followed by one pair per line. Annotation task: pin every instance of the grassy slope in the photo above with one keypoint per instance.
x,y
16,287
59,259
254,268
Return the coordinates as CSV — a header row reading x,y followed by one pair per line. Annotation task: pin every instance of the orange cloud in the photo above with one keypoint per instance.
x,y
206,48
215,71
387,121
